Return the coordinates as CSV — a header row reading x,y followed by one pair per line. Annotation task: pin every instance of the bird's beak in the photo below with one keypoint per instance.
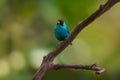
x,y
58,22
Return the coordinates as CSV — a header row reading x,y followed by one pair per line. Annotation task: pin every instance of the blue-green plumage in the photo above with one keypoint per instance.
x,y
61,30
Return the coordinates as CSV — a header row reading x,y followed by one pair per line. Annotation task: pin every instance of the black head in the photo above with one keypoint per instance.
x,y
60,22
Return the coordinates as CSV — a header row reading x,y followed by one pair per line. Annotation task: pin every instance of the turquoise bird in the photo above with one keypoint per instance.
x,y
61,30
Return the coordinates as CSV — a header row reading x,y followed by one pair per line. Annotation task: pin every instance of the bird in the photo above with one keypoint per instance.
x,y
61,30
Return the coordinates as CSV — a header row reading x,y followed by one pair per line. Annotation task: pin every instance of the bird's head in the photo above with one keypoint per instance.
x,y
60,22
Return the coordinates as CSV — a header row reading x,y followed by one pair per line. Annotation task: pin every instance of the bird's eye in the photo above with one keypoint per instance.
x,y
60,22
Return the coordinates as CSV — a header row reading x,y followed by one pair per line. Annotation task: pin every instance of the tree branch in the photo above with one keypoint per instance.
x,y
93,67
47,63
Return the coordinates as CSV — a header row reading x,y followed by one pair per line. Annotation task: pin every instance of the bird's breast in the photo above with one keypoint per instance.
x,y
61,32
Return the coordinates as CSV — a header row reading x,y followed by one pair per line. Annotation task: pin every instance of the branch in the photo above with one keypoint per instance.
x,y
81,26
93,67
47,63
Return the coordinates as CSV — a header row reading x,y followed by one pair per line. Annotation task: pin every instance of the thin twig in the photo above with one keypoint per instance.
x,y
93,67
47,63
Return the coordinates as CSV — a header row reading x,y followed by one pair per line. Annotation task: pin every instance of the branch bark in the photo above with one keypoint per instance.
x,y
47,63
93,67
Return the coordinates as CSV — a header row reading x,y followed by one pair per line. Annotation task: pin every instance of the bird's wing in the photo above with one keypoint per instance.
x,y
66,28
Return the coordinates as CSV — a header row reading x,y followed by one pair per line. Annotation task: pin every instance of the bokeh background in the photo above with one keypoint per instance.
x,y
26,35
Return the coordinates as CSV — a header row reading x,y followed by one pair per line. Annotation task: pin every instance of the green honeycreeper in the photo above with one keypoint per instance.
x,y
61,30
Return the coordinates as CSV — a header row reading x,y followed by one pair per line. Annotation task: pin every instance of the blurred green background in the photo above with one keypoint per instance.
x,y
26,35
